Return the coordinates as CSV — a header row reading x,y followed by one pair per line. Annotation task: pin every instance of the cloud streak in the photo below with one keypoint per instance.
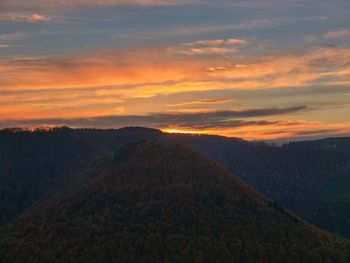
x,y
197,120
218,42
243,123
64,4
26,18
210,47
165,65
342,33
93,77
204,101
5,46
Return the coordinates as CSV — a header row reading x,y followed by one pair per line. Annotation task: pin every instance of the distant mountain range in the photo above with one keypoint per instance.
x,y
73,194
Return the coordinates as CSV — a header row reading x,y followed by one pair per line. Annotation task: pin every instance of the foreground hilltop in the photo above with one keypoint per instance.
x,y
309,178
161,202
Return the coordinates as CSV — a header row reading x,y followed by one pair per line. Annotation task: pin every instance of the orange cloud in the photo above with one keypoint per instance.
x,y
251,124
91,78
203,101
93,70
158,70
236,42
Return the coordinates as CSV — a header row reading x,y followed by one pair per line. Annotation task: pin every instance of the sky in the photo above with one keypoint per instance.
x,y
254,69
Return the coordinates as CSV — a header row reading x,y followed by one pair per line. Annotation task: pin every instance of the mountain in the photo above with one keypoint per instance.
x,y
309,178
37,165
164,202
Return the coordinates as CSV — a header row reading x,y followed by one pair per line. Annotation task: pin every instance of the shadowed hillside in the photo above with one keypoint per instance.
x,y
156,202
309,178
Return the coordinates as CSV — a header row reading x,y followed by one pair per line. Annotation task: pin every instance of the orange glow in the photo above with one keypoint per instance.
x,y
111,83
182,131
285,129
110,77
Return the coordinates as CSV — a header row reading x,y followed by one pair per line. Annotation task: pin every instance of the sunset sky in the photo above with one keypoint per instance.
x,y
255,69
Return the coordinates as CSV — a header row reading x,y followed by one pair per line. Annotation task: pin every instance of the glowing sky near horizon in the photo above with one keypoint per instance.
x,y
255,69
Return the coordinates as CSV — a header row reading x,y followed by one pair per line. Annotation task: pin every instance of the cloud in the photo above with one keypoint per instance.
x,y
93,76
243,123
271,129
26,18
213,42
236,42
11,36
204,29
307,131
261,23
193,120
136,73
209,47
337,34
330,35
251,124
42,4
203,101
206,51
311,38
64,4
247,25
217,42
317,65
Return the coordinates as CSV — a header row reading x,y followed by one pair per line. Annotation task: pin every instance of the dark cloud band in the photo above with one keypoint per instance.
x,y
216,119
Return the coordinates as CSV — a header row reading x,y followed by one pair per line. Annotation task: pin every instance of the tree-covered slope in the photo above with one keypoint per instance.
x,y
310,178
159,202
33,165
37,165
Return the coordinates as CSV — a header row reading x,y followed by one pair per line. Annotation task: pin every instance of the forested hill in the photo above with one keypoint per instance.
x,y
163,202
310,178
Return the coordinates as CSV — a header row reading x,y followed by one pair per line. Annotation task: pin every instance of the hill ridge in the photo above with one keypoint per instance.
x,y
164,202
